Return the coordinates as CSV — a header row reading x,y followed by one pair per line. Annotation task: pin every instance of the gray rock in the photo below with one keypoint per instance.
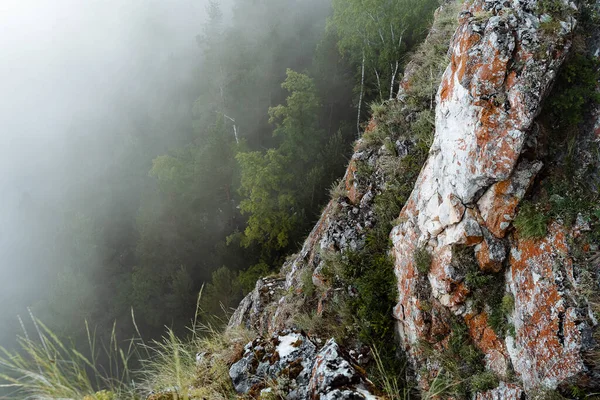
x,y
290,360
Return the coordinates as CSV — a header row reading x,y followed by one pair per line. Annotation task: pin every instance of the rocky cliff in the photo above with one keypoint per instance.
x,y
497,296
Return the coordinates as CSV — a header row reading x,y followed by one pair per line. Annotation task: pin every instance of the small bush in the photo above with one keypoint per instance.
x,y
575,89
423,260
475,279
374,138
463,258
378,110
462,364
530,222
337,190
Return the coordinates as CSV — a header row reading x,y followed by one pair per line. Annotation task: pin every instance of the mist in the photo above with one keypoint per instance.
x,y
132,138
77,77
160,157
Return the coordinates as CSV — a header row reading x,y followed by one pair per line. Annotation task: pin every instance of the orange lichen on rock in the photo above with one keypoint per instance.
x,y
412,322
354,194
498,205
547,348
486,340
459,59
446,284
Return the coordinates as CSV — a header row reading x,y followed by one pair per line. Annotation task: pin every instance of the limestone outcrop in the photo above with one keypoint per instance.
x,y
289,365
518,302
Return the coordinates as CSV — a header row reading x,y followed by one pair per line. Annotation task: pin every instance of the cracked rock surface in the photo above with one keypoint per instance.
x,y
291,359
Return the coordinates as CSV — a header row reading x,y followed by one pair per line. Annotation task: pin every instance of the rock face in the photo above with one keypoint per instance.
x,y
289,365
253,311
502,392
502,65
342,227
503,60
547,347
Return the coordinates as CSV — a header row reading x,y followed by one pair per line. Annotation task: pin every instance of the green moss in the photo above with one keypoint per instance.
x,y
508,303
422,260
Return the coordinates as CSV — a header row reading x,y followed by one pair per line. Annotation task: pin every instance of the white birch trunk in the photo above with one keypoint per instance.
x,y
362,86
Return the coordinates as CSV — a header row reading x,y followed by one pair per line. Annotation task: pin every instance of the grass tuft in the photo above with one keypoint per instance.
x,y
423,260
531,223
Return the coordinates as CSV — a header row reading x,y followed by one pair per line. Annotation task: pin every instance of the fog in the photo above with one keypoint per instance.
x,y
121,186
74,76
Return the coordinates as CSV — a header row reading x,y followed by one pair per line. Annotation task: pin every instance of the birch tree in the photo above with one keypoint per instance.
x,y
375,35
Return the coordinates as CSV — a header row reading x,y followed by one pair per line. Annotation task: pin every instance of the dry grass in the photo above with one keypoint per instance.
x,y
48,368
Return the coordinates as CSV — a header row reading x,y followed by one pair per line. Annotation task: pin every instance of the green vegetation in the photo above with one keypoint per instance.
x,y
575,89
565,192
209,181
499,314
483,381
364,314
555,8
462,366
487,290
550,26
422,260
378,53
48,367
52,368
275,199
531,223
568,188
308,287
245,184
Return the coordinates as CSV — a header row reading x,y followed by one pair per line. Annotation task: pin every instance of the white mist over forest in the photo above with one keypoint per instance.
x,y
152,150
75,77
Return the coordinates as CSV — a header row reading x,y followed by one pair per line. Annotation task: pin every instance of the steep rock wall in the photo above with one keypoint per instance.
x,y
344,222
504,60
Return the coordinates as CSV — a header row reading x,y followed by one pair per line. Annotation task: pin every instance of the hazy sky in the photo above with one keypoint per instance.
x,y
63,58
63,63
